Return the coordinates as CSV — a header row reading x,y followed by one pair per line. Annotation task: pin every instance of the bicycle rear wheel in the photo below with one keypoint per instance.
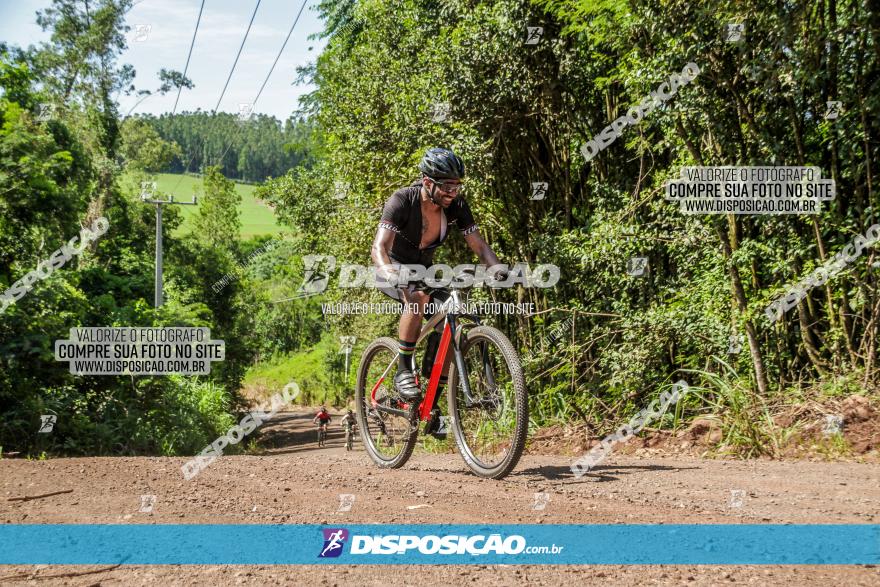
x,y
388,437
490,427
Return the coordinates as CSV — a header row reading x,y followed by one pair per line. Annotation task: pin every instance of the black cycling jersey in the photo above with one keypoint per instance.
x,y
403,216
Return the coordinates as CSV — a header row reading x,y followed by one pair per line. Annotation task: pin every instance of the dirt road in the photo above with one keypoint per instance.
x,y
294,482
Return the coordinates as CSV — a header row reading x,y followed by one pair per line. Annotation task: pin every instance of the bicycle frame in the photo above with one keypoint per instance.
x,y
449,338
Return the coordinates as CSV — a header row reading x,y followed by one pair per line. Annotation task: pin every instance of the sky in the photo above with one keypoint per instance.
x,y
166,43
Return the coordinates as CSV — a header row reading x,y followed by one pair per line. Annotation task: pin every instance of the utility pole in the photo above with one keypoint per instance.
x,y
347,343
145,196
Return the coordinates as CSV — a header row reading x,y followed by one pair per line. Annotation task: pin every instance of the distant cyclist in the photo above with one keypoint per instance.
x,y
322,419
348,422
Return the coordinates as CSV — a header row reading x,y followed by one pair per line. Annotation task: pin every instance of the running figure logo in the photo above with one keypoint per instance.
x,y
534,34
334,539
636,266
47,422
315,279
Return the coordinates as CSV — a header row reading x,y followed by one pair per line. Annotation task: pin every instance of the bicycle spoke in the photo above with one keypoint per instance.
x,y
488,427
385,432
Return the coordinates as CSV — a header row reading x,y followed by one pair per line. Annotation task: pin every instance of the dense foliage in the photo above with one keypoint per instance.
x,y
67,159
519,114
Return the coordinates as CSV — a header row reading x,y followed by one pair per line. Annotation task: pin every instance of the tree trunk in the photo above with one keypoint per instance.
x,y
740,302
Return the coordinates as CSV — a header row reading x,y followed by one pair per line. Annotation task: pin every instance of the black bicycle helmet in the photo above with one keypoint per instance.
x,y
439,163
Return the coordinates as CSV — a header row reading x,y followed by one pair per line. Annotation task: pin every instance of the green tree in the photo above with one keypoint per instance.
x,y
218,221
143,149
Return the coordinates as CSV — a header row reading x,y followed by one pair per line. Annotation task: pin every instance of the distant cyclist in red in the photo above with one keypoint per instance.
x,y
322,419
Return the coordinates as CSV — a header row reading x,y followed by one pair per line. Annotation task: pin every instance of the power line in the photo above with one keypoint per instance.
x,y
277,57
231,71
191,45
237,56
271,69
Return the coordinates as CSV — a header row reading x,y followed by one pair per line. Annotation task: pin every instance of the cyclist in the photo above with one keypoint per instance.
x,y
322,418
348,422
415,221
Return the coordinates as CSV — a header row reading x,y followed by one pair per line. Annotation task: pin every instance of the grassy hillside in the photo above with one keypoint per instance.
x,y
256,218
310,369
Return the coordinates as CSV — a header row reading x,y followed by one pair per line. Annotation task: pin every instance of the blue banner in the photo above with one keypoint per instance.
x,y
703,544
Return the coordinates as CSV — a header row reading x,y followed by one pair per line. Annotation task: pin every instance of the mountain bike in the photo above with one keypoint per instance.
x,y
322,434
486,395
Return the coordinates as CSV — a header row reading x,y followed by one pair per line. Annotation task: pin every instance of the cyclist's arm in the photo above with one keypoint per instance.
x,y
482,249
380,253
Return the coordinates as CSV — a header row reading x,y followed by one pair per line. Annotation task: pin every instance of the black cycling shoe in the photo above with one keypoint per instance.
x,y
405,383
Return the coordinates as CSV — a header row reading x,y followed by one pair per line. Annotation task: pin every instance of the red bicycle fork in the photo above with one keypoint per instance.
x,y
433,382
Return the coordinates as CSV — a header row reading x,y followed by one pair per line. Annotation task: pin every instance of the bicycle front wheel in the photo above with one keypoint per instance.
x,y
388,436
490,426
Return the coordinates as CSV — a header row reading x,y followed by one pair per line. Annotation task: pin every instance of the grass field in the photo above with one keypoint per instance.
x,y
256,218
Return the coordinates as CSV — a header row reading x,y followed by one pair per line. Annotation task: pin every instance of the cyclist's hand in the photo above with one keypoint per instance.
x,y
388,274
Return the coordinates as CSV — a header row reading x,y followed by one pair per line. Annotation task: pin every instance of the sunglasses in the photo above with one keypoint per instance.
x,y
447,187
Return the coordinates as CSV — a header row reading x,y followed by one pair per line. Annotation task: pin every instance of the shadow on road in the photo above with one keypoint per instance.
x,y
598,473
